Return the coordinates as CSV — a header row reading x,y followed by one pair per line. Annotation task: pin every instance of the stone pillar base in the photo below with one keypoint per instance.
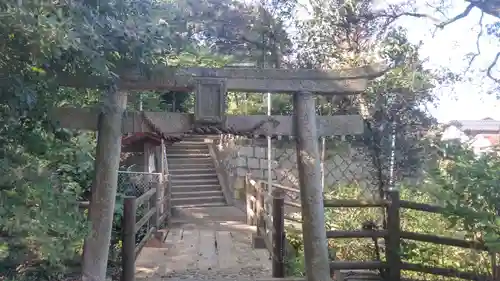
x,y
258,242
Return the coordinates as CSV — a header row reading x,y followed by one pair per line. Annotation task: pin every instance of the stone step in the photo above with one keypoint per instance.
x,y
198,137
175,177
184,160
190,170
178,208
189,156
197,194
188,150
195,188
194,144
196,201
190,165
179,182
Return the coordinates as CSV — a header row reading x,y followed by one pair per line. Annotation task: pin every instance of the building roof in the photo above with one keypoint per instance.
x,y
486,124
134,142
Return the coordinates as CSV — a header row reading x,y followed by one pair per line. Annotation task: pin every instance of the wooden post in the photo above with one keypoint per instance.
x,y
260,209
311,196
393,238
159,154
102,203
150,180
248,200
168,195
278,234
158,197
128,238
152,204
494,267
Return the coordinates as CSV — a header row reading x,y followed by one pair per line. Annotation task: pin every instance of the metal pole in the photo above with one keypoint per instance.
x,y
311,197
393,155
269,150
323,150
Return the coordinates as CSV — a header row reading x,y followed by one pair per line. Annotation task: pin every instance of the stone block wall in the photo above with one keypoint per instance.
x,y
343,164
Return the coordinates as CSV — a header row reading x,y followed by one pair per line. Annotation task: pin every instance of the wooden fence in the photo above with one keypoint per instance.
x,y
267,213
157,202
393,264
157,212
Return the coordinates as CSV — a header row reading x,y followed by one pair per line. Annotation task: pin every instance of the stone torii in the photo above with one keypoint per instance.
x,y
210,86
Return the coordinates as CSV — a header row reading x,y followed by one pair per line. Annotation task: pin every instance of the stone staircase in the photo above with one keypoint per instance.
x,y
193,176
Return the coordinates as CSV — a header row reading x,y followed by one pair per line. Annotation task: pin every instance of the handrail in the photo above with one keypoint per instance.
x,y
156,214
222,174
266,212
159,211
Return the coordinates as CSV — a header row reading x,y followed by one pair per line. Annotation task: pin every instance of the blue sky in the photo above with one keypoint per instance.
x,y
448,48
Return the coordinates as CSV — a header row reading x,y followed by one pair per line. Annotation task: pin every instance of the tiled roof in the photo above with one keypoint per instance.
x,y
140,137
477,125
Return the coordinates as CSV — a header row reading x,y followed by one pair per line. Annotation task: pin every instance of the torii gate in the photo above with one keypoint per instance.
x,y
210,86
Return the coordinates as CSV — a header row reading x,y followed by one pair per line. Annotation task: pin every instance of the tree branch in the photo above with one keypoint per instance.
x,y
462,15
489,71
490,7
478,47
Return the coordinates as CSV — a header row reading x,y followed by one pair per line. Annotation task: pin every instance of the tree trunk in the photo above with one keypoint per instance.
x,y
102,203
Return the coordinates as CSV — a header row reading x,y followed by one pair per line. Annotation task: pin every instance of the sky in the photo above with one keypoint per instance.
x,y
448,48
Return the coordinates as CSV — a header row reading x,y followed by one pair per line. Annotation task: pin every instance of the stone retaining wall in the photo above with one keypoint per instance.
x,y
343,163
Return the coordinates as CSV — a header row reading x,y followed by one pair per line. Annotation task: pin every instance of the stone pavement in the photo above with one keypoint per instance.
x,y
208,243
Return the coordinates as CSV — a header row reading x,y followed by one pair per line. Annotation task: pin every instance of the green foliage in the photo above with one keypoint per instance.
x,y
46,170
469,189
40,224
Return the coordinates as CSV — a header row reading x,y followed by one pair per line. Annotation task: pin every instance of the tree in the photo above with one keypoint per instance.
x,y
465,188
487,8
83,42
339,36
48,42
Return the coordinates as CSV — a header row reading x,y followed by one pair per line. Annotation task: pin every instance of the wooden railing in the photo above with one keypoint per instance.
x,y
393,234
158,212
267,213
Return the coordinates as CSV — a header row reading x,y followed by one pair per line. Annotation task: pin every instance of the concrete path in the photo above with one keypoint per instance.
x,y
208,243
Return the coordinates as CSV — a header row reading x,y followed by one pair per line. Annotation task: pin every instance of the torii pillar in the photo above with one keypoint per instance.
x,y
311,193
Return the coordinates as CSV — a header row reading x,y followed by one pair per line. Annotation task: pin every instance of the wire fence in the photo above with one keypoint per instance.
x,y
391,150
137,183
343,163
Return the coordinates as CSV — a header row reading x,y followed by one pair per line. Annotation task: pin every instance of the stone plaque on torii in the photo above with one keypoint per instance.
x,y
210,86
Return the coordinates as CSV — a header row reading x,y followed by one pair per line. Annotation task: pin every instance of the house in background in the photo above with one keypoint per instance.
x,y
480,134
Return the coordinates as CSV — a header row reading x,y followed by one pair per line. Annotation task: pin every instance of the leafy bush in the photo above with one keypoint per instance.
x,y
468,186
41,227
